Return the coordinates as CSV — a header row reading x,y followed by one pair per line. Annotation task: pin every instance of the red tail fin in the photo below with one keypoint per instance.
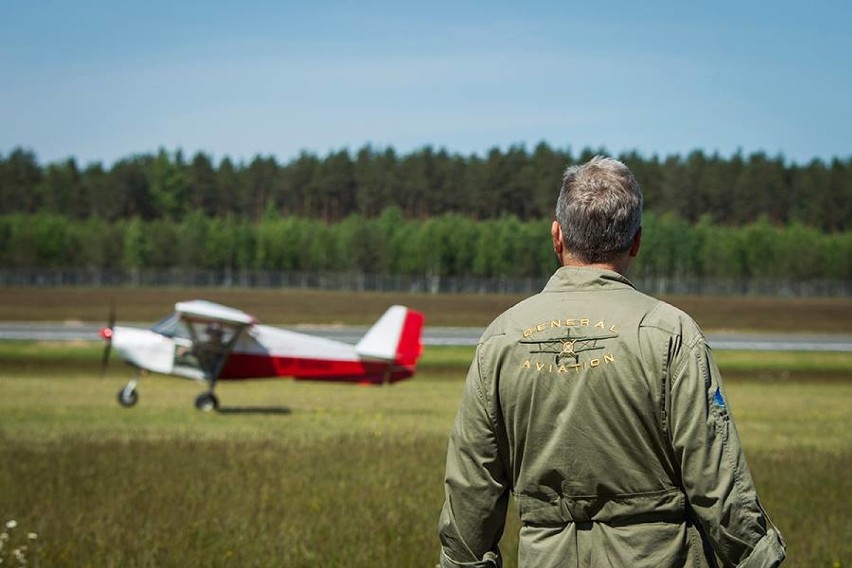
x,y
410,348
395,338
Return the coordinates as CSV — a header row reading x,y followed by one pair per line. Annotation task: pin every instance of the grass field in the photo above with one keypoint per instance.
x,y
308,474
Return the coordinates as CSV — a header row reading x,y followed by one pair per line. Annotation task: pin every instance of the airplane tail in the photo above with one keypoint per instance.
x,y
394,338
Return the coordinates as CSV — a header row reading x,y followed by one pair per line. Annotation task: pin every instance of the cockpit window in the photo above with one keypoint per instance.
x,y
171,326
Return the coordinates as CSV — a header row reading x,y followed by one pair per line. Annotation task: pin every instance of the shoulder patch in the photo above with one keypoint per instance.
x,y
718,399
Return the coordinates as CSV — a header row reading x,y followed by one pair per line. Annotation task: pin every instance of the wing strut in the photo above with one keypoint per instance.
x,y
212,353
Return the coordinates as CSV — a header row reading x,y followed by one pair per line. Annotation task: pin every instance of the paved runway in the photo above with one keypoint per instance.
x,y
58,331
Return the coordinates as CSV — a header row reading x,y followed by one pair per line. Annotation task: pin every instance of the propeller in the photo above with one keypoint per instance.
x,y
106,334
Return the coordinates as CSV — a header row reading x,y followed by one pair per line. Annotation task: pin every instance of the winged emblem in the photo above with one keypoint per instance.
x,y
567,346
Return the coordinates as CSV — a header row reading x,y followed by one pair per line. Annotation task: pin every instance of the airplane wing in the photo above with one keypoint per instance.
x,y
202,310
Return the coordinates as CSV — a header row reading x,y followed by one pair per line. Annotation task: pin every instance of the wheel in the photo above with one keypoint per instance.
x,y
127,397
206,402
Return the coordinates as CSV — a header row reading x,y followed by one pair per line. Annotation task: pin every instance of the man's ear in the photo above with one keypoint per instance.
x,y
558,241
637,242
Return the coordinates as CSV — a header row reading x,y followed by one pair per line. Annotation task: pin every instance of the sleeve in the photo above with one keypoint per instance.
x,y
475,485
714,472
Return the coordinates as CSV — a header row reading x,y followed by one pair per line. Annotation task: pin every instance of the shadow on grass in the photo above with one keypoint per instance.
x,y
266,410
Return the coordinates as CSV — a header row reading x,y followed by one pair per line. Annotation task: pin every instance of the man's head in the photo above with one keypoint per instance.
x,y
598,213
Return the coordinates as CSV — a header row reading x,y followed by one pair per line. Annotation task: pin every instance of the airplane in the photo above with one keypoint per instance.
x,y
209,342
568,346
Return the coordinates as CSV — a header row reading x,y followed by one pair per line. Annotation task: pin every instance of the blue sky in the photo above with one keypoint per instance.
x,y
104,80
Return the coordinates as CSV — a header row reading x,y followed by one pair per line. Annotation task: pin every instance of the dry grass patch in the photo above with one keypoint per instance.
x,y
826,315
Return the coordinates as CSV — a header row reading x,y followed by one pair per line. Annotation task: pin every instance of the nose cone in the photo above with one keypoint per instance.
x,y
106,333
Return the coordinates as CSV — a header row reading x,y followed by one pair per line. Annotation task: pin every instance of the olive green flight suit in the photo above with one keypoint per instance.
x,y
602,411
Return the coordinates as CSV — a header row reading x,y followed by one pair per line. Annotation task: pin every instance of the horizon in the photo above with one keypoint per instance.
x,y
574,152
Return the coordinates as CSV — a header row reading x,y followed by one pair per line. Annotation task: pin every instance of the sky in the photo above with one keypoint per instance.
x,y
103,80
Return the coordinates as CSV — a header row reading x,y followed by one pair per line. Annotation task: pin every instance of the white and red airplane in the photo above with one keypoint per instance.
x,y
209,342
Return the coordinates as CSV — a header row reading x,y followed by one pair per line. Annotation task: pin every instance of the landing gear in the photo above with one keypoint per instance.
x,y
128,396
206,402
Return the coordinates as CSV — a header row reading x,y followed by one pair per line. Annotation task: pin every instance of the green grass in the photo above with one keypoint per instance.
x,y
310,474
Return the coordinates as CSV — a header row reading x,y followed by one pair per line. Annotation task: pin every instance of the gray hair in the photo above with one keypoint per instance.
x,y
599,209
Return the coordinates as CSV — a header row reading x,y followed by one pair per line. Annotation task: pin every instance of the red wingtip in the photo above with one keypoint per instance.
x,y
106,333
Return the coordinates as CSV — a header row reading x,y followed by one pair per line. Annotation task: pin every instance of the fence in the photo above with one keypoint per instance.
x,y
81,277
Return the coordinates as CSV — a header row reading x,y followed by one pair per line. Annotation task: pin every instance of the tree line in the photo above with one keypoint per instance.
x,y
171,188
389,243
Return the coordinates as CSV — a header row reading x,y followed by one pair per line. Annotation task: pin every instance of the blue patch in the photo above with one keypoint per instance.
x,y
717,398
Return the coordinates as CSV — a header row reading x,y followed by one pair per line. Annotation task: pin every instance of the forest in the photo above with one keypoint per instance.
x,y
428,212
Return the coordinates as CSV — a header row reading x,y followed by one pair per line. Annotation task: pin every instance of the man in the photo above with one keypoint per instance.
x,y
602,411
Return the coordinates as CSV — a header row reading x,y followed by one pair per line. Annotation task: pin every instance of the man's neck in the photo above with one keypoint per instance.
x,y
619,264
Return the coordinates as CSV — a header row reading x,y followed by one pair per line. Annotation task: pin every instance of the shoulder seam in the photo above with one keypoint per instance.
x,y
690,347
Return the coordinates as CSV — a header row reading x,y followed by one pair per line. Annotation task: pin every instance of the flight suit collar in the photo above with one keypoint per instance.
x,y
580,278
